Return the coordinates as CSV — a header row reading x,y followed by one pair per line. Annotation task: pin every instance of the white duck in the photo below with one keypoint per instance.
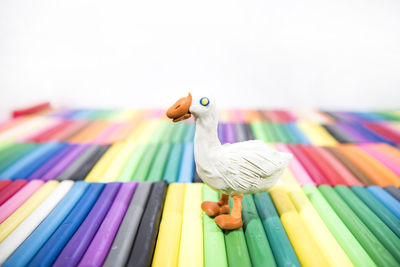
x,y
231,169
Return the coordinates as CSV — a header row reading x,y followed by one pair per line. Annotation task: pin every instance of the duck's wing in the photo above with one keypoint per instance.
x,y
243,164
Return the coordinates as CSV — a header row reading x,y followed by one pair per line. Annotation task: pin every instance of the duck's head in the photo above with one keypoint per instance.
x,y
186,106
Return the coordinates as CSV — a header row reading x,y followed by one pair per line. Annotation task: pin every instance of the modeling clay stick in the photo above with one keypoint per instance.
x,y
68,131
381,158
119,161
240,132
25,129
290,136
11,189
363,166
281,247
178,132
308,165
343,236
187,165
76,165
386,199
303,242
63,163
394,191
168,241
87,165
338,134
219,131
102,137
257,242
13,123
317,134
282,132
191,243
35,135
236,248
79,242
373,136
25,209
27,250
384,175
259,131
101,243
230,133
29,163
271,115
274,131
322,165
196,177
121,132
14,153
12,242
354,169
122,244
96,174
126,115
157,169
372,246
355,135
325,240
288,178
143,247
296,168
378,208
213,237
132,163
91,132
383,131
390,151
173,165
79,132
47,166
300,136
336,166
3,184
374,224
49,251
14,202
144,167
249,133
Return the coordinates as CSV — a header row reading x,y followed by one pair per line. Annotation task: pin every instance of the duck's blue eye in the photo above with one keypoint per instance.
x,y
204,101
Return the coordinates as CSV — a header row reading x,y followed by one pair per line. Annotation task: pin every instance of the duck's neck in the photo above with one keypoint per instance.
x,y
206,134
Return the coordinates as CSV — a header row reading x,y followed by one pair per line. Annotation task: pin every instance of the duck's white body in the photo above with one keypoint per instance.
x,y
240,168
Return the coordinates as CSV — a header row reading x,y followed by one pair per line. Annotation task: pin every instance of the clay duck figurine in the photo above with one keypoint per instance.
x,y
231,169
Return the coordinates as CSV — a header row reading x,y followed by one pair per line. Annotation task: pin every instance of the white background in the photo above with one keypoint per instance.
x,y
147,53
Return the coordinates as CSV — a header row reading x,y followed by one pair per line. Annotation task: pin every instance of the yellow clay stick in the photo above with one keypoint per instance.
x,y
191,246
168,240
325,240
303,243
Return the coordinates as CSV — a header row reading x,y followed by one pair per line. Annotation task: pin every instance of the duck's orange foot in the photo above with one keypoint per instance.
x,y
228,222
213,209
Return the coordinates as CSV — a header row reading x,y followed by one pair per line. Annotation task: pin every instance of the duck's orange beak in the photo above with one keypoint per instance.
x,y
180,110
